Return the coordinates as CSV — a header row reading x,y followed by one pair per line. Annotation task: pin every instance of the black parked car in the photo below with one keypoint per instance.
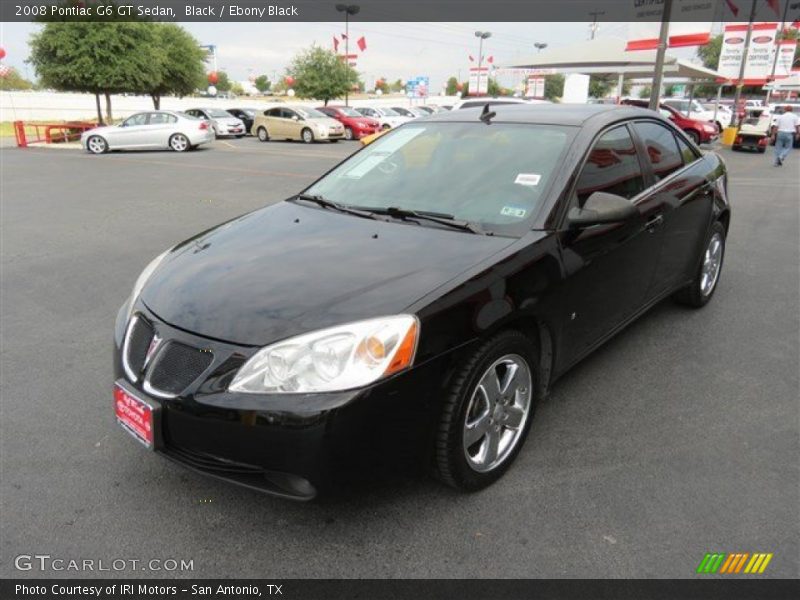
x,y
246,116
420,298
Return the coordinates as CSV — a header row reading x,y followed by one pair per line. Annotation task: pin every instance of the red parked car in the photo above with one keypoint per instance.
x,y
356,125
701,132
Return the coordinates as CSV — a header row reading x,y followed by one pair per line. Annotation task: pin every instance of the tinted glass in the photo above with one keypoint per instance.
x,y
388,112
612,166
349,112
662,149
161,119
218,114
273,112
311,113
495,176
139,119
687,153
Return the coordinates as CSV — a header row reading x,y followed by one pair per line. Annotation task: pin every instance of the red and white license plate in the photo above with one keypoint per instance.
x,y
136,416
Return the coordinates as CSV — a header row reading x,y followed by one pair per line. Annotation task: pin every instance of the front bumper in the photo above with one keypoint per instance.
x,y
284,445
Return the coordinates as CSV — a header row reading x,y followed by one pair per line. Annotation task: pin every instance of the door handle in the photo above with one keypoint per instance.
x,y
653,222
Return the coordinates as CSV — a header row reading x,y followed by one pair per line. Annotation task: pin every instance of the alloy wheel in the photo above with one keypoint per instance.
x,y
712,261
178,142
96,145
497,413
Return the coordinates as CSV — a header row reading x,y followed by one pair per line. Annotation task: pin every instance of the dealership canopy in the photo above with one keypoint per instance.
x,y
608,56
789,84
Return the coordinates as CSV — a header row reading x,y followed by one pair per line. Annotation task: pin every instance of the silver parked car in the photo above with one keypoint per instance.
x,y
221,121
149,130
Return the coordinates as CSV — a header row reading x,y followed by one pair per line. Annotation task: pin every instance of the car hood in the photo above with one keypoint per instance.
x,y
290,268
326,122
99,131
232,121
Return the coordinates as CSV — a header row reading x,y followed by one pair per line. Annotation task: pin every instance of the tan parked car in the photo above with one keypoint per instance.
x,y
290,122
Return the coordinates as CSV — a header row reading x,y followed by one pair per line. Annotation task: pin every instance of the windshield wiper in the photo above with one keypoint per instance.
x,y
427,215
325,203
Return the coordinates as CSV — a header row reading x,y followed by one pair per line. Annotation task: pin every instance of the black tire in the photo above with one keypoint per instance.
x,y
96,144
240,136
262,134
333,141
693,135
450,464
348,133
307,136
693,295
385,126
762,150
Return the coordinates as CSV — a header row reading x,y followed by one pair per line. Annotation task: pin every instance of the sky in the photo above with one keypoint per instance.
x,y
394,50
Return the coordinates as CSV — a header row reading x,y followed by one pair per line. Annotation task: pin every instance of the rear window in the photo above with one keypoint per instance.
x,y
494,176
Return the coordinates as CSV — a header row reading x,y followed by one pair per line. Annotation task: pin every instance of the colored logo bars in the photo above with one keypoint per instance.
x,y
733,563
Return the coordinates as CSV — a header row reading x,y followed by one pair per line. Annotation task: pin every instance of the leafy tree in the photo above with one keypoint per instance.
x,y
101,58
452,87
397,86
645,92
14,81
380,84
181,63
554,86
321,74
602,85
224,83
262,83
237,89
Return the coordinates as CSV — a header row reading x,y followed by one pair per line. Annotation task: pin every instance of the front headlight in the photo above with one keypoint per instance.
x,y
143,277
339,358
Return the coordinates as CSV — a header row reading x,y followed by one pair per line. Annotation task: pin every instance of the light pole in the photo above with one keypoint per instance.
x,y
347,9
481,35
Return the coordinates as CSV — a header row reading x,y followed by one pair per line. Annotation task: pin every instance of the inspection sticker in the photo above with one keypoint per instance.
x,y
513,211
528,179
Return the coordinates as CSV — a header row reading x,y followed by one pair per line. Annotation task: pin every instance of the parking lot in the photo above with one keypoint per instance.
x,y
677,438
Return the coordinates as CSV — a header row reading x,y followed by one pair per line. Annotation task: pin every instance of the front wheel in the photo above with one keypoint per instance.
x,y
695,137
307,135
487,413
699,292
96,145
262,134
179,143
348,133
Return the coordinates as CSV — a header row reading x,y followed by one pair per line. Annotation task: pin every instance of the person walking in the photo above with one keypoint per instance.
x,y
786,129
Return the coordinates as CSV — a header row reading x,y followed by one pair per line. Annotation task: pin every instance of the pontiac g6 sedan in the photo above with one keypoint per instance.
x,y
417,301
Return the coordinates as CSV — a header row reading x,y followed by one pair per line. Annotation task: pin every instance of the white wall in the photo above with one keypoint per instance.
x,y
57,106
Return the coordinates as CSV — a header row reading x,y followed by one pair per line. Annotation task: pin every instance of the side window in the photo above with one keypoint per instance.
x,y
139,119
612,167
287,114
662,150
272,112
161,119
686,151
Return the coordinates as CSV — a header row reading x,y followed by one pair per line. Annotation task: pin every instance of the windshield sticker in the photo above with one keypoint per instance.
x,y
528,179
513,211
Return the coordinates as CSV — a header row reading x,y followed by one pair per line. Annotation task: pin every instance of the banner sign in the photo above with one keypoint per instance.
x,y
478,81
418,87
690,24
535,88
786,50
758,65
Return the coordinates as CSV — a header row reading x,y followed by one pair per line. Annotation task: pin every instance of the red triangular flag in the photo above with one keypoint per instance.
x,y
471,59
335,44
344,37
733,8
490,60
362,43
775,5
795,25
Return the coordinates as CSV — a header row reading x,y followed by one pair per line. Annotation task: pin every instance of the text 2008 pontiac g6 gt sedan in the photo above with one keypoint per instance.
x,y
419,299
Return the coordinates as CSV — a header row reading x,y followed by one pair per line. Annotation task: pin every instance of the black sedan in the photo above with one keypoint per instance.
x,y
245,115
417,301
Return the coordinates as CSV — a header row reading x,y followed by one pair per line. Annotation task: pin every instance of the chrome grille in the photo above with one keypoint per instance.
x,y
137,342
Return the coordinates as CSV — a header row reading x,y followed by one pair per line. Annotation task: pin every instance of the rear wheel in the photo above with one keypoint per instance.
x,y
96,145
307,135
487,413
179,142
699,292
262,134
348,133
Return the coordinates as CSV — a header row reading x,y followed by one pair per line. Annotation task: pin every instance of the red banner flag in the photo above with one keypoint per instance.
x,y
734,9
335,44
775,5
490,60
471,58
344,37
362,43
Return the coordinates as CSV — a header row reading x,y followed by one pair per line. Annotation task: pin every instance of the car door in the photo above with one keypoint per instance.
x,y
608,268
291,123
132,133
684,197
160,126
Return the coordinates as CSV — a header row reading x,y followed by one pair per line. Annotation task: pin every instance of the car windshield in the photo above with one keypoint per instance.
x,y
349,112
216,113
494,176
311,113
388,112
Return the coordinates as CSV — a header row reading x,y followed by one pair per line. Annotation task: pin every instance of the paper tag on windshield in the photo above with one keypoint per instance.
x,y
528,179
513,211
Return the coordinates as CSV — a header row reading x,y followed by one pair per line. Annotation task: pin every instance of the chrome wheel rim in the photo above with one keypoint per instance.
x,y
262,134
497,413
179,143
307,136
712,262
96,145
348,133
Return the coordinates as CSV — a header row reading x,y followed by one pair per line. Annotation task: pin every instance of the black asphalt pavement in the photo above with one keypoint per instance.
x,y
679,437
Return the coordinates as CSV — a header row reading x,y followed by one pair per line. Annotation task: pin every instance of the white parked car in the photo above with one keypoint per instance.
x,y
724,114
221,121
693,110
478,101
387,117
412,112
157,129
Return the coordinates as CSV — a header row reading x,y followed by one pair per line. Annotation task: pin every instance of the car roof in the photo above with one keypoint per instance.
x,y
547,114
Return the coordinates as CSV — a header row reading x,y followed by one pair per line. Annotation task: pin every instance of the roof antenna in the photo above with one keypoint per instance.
x,y
487,115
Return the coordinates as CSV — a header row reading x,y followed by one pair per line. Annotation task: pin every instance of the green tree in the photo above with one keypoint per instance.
x,y
262,83
554,86
321,74
645,92
709,53
452,87
101,58
224,83
380,84
181,63
601,86
14,81
397,86
237,89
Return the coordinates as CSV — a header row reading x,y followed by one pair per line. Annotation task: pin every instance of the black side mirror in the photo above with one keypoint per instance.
x,y
600,208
